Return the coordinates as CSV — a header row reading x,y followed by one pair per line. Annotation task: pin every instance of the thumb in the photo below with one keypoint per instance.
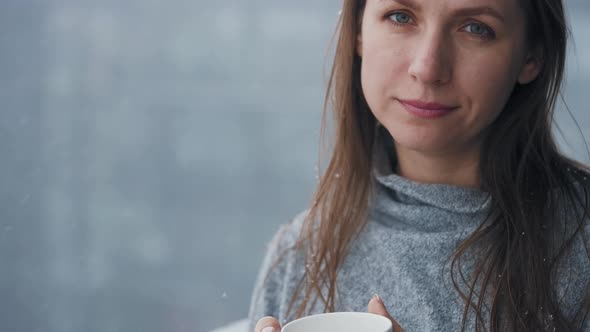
x,y
267,324
376,306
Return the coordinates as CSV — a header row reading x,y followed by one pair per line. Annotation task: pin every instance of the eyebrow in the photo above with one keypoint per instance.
x,y
483,10
408,3
470,11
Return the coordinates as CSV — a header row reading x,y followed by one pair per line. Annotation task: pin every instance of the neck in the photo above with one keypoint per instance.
x,y
459,168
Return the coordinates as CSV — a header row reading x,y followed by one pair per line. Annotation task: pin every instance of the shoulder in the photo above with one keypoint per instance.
x,y
288,234
283,243
569,200
285,238
572,210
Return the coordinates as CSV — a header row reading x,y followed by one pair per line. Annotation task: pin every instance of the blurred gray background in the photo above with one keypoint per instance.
x,y
150,149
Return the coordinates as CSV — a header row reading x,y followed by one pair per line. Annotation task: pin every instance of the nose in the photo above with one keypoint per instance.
x,y
431,59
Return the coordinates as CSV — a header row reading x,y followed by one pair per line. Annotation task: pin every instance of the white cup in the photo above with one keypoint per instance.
x,y
340,322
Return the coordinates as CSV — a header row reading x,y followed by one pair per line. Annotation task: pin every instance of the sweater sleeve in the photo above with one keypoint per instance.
x,y
267,287
277,274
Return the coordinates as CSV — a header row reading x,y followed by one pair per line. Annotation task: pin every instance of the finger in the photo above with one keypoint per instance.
x,y
376,306
267,324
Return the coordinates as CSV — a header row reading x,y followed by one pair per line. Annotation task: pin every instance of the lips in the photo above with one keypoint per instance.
x,y
427,110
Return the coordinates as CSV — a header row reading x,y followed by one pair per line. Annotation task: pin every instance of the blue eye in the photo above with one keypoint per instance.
x,y
400,18
481,30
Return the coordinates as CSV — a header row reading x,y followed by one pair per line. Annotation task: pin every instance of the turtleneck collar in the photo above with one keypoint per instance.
x,y
446,197
415,203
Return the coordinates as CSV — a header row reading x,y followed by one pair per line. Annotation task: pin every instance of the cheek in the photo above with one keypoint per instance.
x,y
382,69
488,82
491,73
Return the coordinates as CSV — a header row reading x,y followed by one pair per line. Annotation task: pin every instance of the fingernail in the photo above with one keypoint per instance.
x,y
376,296
269,329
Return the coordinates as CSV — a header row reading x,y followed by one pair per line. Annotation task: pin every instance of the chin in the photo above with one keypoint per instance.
x,y
423,147
427,142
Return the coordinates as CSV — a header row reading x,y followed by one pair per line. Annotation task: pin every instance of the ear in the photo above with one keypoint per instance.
x,y
531,68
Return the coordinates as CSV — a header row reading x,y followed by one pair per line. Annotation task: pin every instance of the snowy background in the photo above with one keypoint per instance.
x,y
150,149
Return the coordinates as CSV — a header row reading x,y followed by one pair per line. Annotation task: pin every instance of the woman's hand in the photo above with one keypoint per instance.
x,y
376,306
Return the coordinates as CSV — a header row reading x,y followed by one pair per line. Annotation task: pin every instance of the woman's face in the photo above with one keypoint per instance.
x,y
436,73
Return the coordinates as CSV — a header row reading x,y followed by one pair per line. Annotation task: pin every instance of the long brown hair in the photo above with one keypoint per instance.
x,y
530,182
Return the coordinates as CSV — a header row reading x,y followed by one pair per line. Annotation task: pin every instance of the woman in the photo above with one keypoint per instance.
x,y
446,193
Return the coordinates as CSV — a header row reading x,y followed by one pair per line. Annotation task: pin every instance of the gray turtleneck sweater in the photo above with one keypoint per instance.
x,y
401,255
